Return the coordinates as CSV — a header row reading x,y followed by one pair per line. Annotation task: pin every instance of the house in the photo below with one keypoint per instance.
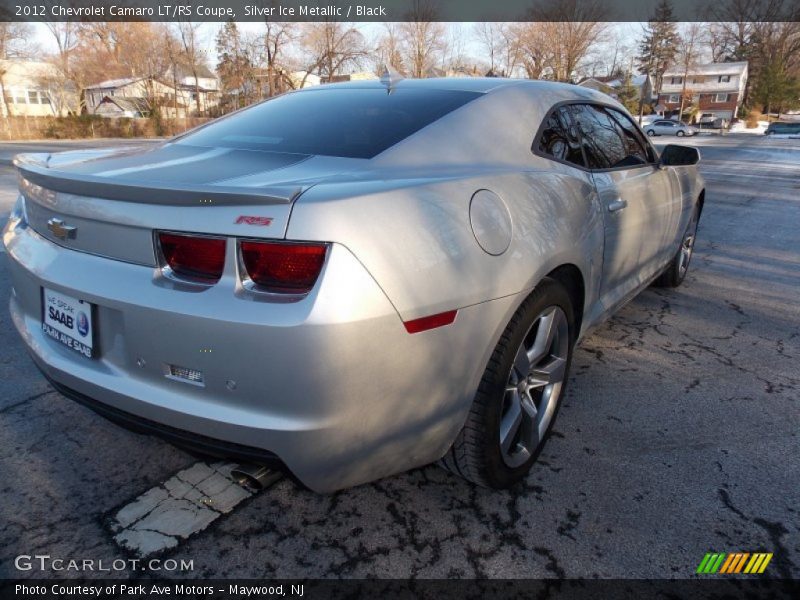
x,y
35,89
127,87
193,83
303,79
716,89
175,99
122,106
610,85
361,76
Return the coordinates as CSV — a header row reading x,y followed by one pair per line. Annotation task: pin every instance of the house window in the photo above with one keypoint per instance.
x,y
674,98
721,97
33,97
724,78
44,98
676,80
697,80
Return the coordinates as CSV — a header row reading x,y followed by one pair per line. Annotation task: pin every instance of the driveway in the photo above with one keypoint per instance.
x,y
678,436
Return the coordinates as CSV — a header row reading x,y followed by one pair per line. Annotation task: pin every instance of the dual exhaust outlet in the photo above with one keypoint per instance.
x,y
255,477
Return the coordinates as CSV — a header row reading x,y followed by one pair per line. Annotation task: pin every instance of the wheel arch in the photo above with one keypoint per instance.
x,y
571,277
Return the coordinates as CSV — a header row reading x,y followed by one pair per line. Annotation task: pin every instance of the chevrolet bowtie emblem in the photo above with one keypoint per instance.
x,y
60,230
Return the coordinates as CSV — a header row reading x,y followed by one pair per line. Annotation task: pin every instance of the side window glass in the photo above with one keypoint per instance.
x,y
559,138
602,143
636,147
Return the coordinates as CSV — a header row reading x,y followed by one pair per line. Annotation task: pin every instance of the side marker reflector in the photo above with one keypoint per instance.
x,y
431,322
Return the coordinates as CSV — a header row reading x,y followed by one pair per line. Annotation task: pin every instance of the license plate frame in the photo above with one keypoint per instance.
x,y
70,321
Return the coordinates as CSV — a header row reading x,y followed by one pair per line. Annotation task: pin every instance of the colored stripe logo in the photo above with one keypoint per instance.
x,y
733,563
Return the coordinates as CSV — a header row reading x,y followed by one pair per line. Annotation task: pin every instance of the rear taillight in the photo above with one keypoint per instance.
x,y
194,257
282,268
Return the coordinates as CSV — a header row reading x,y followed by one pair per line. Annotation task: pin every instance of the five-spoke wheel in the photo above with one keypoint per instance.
x,y
534,385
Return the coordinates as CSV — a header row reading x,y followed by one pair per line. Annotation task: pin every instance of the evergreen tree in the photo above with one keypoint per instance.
x,y
233,67
628,94
775,89
658,47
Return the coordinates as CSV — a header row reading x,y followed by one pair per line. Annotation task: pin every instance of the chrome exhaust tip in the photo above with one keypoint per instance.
x,y
255,477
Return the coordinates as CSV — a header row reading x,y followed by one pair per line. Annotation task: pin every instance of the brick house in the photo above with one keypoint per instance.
x,y
716,88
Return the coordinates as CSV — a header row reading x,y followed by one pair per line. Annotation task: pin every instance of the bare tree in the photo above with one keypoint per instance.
x,y
65,85
560,36
689,51
489,37
331,47
534,48
388,49
423,39
193,54
277,37
14,43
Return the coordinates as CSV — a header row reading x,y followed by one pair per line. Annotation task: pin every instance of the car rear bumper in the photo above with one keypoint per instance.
x,y
332,386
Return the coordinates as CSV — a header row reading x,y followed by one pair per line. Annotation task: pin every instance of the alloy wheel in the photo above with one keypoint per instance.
x,y
534,386
687,246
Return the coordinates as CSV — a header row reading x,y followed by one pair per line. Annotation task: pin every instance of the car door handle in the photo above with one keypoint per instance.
x,y
617,204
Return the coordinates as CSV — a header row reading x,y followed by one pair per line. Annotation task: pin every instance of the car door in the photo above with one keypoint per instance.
x,y
665,128
639,212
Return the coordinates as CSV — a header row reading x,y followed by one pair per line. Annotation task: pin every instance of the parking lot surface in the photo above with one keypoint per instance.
x,y
679,435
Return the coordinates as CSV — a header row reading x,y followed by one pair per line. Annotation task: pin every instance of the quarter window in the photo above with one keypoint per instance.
x,y
601,141
560,139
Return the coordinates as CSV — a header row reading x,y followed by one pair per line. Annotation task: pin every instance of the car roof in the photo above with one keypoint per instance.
x,y
467,84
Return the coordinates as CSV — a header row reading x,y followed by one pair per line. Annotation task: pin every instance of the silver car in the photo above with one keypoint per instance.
x,y
669,127
352,280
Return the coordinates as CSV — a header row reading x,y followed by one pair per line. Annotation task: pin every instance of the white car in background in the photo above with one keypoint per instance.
x,y
669,127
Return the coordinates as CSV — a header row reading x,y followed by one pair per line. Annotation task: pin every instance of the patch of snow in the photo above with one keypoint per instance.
x,y
741,127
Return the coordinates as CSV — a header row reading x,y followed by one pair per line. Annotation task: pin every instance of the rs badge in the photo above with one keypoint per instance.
x,y
252,220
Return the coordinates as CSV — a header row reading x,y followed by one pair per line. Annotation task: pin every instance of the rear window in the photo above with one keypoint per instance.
x,y
353,123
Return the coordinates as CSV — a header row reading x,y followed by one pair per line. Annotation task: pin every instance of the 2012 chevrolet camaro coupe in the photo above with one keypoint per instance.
x,y
352,280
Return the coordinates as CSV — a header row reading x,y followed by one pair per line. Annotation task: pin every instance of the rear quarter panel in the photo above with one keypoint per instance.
x,y
415,238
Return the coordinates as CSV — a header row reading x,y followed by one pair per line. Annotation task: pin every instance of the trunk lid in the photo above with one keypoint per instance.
x,y
109,201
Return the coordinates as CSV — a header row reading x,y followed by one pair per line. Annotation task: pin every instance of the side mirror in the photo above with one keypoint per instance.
x,y
679,156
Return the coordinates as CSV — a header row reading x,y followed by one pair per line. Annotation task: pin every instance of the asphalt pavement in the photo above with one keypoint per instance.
x,y
678,436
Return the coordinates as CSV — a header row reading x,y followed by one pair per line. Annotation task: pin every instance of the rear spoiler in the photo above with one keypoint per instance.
x,y
39,173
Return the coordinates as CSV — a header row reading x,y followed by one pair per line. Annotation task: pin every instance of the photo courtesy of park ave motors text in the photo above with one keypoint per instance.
x,y
466,294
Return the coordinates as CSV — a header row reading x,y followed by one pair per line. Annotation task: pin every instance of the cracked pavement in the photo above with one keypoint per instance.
x,y
678,436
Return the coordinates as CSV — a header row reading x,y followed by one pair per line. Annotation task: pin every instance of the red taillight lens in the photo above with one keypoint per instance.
x,y
193,256
283,268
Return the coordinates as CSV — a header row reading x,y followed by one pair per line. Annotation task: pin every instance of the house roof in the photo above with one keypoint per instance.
x,y
732,68
114,83
637,80
185,70
598,81
129,103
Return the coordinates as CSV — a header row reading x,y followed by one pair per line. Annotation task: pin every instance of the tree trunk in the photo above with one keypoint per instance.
x,y
196,90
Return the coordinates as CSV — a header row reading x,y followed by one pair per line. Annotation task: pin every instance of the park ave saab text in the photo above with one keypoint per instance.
x,y
174,11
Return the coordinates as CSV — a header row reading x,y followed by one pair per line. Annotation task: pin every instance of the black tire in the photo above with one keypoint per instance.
x,y
476,453
680,133
651,133
676,271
